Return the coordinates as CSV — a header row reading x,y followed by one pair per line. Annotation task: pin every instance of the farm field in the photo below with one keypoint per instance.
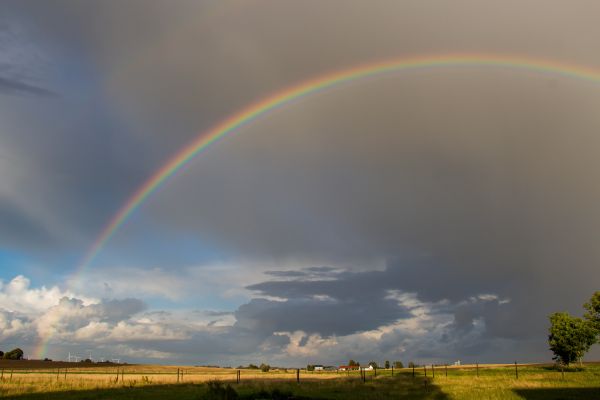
x,y
162,382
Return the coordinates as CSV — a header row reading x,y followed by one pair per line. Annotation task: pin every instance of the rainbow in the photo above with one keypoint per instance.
x,y
304,89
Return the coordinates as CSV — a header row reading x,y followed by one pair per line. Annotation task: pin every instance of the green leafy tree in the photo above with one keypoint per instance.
x,y
412,365
310,367
570,337
387,364
593,311
1,354
353,363
252,366
15,354
398,364
373,364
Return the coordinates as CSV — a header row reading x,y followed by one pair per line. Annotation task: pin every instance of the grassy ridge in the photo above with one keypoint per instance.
x,y
535,382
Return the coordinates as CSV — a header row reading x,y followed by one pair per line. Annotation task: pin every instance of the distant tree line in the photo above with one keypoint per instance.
x,y
571,337
263,367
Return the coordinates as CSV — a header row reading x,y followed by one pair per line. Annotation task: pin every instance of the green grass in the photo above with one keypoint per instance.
x,y
535,382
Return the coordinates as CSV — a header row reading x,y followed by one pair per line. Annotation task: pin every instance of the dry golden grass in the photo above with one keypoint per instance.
x,y
496,381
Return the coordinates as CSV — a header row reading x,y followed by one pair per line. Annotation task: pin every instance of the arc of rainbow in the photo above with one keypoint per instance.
x,y
311,86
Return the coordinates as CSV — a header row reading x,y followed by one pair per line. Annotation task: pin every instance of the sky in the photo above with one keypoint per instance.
x,y
428,215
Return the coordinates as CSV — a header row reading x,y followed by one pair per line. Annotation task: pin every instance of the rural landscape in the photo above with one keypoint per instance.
x,y
568,378
299,199
426,382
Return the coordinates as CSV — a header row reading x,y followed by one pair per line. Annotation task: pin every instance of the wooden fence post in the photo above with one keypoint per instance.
x,y
2,376
425,369
477,369
375,369
57,374
297,375
11,372
66,369
177,375
392,370
516,371
433,370
446,369
413,370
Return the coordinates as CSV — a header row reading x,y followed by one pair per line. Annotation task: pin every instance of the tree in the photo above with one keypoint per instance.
x,y
252,366
398,364
310,367
412,364
265,367
353,363
373,364
593,311
387,364
1,354
570,337
14,354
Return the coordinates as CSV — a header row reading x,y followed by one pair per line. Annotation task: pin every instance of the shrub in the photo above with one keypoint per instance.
x,y
216,391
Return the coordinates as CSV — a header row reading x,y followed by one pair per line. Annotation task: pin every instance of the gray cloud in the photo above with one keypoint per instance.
x,y
11,86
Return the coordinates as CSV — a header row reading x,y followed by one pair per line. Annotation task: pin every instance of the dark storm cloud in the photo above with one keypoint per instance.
x,y
306,273
325,317
368,295
12,86
18,227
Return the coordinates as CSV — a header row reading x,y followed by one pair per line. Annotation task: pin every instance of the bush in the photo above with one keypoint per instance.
x,y
275,394
216,391
310,367
398,364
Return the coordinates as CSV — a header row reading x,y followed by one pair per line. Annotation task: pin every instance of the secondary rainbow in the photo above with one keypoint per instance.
x,y
306,88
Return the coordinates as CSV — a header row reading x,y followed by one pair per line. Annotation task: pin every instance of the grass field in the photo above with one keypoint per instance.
x,y
161,382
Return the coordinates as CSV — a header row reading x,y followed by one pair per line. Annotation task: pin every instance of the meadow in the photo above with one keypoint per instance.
x,y
172,382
